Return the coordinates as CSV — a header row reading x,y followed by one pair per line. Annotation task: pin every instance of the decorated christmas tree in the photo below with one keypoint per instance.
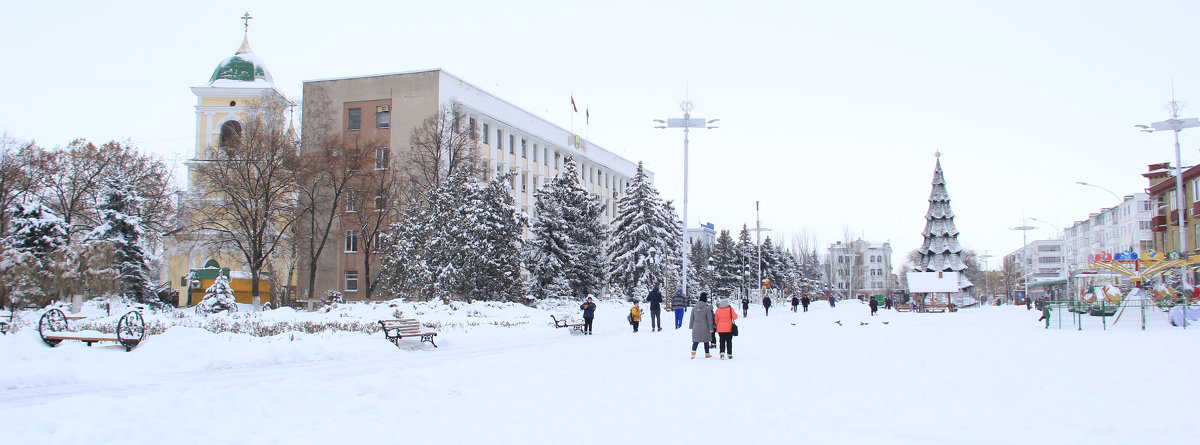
x,y
940,252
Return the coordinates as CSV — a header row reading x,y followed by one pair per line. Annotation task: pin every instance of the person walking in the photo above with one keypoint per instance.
x,y
874,303
589,312
702,325
635,316
678,304
655,298
795,303
746,305
804,301
723,318
832,301
887,303
767,305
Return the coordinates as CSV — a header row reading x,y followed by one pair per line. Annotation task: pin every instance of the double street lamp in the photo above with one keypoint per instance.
x,y
686,123
1176,124
1024,253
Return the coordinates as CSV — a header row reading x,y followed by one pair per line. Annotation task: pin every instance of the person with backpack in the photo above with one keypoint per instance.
x,y
635,316
589,312
655,298
804,301
702,325
723,318
678,304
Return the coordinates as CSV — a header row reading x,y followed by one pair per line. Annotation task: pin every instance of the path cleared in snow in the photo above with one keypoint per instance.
x,y
990,375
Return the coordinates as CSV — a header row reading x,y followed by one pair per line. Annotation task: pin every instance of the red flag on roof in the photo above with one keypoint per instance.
x,y
573,104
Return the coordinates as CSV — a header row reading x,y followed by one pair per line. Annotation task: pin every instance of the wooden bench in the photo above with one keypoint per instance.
x,y
397,329
6,322
935,307
54,328
902,307
566,321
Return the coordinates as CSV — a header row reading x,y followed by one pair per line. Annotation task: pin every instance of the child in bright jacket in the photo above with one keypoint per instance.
x,y
635,316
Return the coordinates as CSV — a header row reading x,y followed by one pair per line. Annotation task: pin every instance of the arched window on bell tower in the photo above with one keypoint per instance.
x,y
231,134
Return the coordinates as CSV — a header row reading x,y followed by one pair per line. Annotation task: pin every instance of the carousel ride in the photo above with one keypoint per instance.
x,y
1107,300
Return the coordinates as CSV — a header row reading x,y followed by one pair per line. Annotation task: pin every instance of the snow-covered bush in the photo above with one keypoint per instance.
x,y
217,298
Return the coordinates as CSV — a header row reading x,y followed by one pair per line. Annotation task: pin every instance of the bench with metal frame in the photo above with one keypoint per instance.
x,y
397,329
54,327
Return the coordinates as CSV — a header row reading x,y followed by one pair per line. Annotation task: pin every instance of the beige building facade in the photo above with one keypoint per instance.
x,y
380,112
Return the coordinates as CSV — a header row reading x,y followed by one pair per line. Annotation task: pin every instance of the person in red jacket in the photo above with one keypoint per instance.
x,y
723,319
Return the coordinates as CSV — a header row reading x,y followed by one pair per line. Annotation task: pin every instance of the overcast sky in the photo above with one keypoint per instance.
x,y
830,111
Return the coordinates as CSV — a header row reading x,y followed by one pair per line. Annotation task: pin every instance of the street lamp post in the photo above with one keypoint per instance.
x,y
686,123
1119,199
1066,264
1176,124
984,257
758,229
1024,253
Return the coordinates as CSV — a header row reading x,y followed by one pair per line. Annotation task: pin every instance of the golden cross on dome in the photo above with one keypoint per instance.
x,y
246,21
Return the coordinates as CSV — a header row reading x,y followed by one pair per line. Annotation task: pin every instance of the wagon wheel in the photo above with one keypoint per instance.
x,y
131,329
52,321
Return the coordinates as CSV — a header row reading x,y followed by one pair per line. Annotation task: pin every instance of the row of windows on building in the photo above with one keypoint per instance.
x,y
383,118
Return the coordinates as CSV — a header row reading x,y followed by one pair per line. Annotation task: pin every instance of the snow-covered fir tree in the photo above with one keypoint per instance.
x,y
673,247
218,297
123,231
494,226
726,265
32,251
642,236
565,253
745,250
699,272
461,242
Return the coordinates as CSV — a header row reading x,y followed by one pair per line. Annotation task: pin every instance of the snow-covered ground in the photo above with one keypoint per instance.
x,y
503,374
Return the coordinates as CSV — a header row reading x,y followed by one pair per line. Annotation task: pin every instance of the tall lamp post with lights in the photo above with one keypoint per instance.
x,y
686,123
1024,253
1066,264
984,257
1176,124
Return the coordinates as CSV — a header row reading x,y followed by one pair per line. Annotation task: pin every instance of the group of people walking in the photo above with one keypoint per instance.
x,y
707,324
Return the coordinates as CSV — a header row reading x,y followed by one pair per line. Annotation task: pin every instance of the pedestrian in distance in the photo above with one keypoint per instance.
x,y
767,305
589,313
702,325
874,303
1028,303
887,303
678,304
795,303
723,318
832,301
655,298
635,316
746,305
804,301
1045,313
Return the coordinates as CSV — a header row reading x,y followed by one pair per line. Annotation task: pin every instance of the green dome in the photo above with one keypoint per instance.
x,y
243,66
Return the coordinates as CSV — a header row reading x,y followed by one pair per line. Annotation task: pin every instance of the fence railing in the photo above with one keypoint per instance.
x,y
1103,314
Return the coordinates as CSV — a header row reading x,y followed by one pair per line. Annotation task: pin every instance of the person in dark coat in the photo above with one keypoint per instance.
x,y
746,306
874,303
795,303
767,305
887,303
804,301
589,312
832,301
678,304
655,298
702,325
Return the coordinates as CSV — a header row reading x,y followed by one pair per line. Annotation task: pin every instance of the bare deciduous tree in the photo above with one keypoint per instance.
x,y
441,146
375,200
245,188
